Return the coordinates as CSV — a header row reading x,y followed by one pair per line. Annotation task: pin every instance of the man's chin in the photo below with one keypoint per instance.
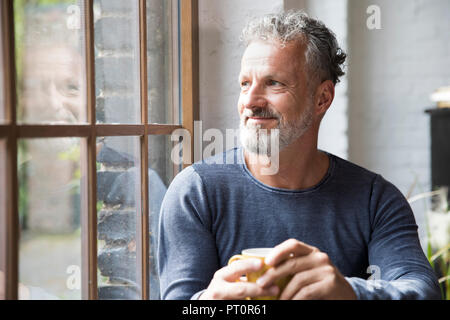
x,y
255,146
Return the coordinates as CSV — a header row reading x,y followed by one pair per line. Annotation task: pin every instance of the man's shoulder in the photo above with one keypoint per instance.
x,y
350,173
348,170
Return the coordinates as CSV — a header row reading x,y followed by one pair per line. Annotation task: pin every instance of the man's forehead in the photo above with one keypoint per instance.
x,y
267,54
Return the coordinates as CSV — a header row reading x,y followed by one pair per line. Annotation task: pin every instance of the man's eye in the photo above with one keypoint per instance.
x,y
273,83
244,83
68,88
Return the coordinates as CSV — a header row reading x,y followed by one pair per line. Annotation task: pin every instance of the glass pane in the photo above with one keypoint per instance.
x,y
162,58
49,212
2,217
118,192
161,172
49,57
117,82
2,96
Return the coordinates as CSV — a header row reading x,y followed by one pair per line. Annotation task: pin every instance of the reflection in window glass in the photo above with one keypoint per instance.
x,y
2,216
118,192
162,59
117,82
161,173
49,59
49,212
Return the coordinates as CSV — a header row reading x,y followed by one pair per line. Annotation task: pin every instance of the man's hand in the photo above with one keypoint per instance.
x,y
314,276
228,285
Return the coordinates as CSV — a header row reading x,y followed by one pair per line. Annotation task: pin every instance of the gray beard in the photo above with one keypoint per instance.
x,y
260,141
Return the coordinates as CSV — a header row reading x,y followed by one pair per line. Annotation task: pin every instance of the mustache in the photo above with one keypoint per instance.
x,y
261,113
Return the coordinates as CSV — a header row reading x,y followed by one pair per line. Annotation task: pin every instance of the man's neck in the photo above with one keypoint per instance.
x,y
300,166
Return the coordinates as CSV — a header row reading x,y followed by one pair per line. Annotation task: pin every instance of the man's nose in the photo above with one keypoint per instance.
x,y
255,97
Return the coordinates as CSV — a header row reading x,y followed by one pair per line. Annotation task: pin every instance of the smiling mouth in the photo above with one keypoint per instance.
x,y
260,122
260,119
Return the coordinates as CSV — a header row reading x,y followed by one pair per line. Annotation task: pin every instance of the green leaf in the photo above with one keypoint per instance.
x,y
439,253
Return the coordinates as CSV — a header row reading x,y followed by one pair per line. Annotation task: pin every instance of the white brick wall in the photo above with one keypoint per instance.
x,y
333,129
392,71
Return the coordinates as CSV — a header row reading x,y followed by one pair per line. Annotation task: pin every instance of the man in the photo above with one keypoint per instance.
x,y
330,221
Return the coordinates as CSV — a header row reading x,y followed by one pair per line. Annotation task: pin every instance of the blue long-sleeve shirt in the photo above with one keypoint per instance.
x,y
216,208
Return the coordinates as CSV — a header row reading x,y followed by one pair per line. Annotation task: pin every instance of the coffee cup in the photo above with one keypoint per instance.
x,y
260,253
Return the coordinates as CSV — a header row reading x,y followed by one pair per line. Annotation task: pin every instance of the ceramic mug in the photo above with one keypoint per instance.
x,y
260,253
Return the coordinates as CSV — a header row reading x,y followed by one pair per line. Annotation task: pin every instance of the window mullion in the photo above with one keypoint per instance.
x,y
164,129
89,211
4,130
189,72
11,227
142,232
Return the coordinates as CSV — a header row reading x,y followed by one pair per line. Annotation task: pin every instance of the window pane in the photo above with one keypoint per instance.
x,y
2,68
161,173
117,82
2,217
162,58
49,57
49,213
118,192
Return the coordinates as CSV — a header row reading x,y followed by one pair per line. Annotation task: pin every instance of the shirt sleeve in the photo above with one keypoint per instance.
x,y
187,254
400,268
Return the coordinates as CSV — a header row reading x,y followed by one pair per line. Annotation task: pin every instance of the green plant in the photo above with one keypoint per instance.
x,y
438,245
441,258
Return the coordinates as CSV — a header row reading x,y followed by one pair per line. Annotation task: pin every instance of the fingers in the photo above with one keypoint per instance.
x,y
314,291
306,263
293,266
238,268
226,284
242,290
332,286
287,249
302,280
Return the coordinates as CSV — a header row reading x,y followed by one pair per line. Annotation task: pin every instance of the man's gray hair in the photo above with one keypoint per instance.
x,y
324,57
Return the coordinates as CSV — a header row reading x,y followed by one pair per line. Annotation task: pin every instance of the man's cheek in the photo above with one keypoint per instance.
x,y
241,109
240,105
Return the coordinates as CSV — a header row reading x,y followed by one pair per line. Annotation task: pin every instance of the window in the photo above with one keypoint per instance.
x,y
90,94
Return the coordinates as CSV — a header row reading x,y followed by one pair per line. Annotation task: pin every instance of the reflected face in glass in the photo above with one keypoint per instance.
x,y
53,85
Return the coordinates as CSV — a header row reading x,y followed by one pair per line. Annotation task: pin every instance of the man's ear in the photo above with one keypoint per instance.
x,y
324,97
